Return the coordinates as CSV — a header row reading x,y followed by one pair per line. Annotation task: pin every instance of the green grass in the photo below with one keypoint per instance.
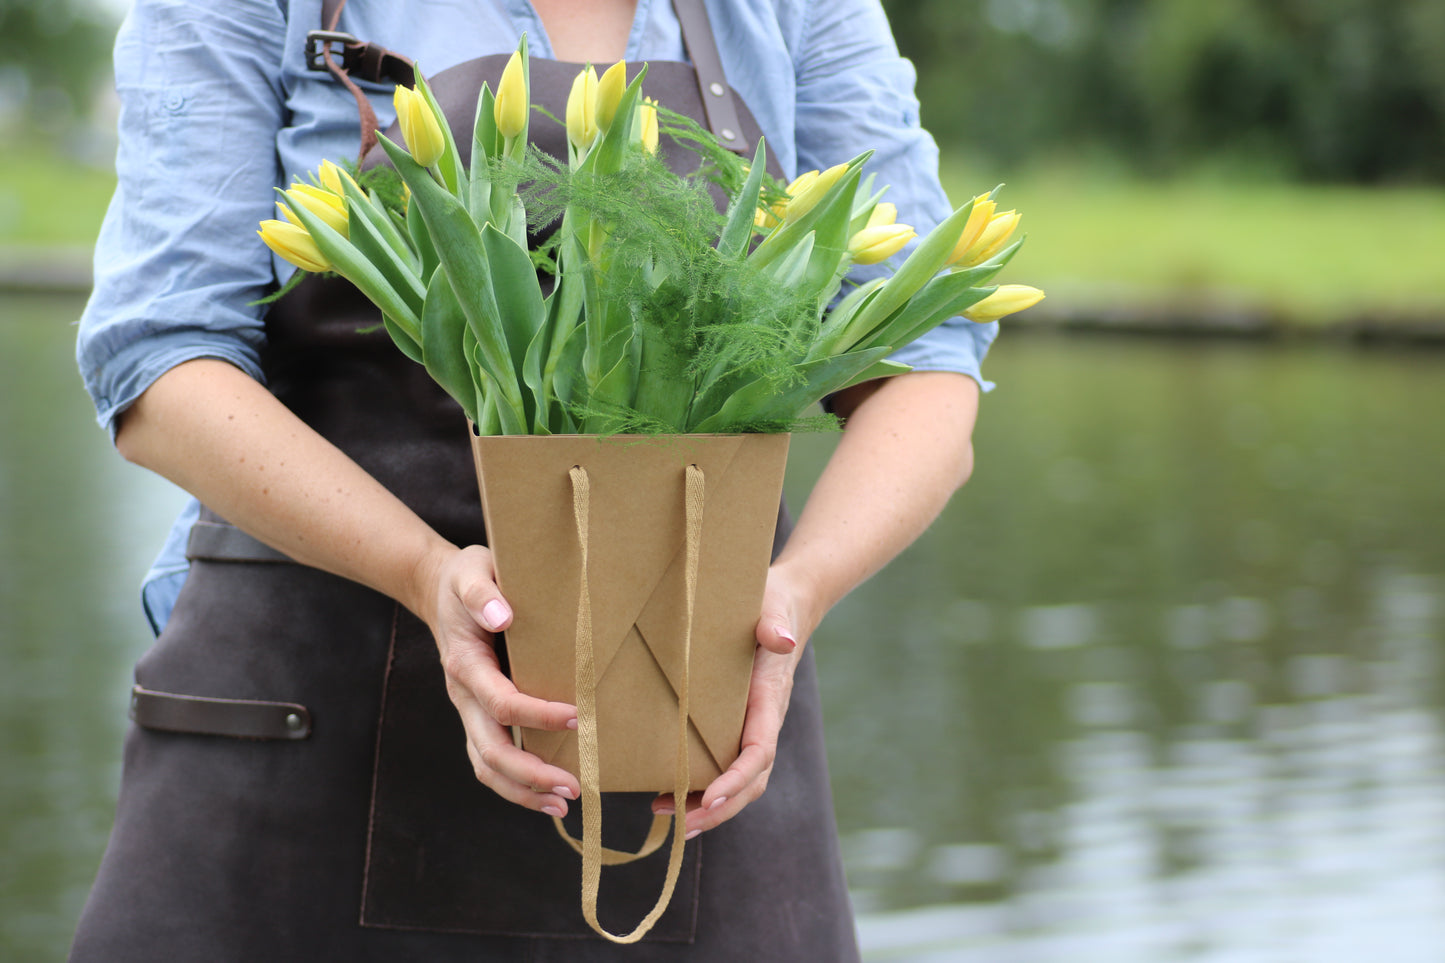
x,y
1306,254
49,199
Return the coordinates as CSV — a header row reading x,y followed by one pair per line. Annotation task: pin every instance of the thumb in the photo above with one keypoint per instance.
x,y
775,628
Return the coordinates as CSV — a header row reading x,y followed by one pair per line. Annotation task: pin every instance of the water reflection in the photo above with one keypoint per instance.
x,y
1164,683
1185,705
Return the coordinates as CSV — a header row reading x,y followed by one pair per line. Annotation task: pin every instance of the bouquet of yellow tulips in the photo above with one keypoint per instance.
x,y
646,310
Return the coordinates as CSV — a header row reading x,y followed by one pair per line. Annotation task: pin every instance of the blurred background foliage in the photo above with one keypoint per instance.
x,y
54,61
1325,90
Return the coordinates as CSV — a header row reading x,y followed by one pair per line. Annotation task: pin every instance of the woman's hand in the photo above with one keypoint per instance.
x,y
788,618
468,609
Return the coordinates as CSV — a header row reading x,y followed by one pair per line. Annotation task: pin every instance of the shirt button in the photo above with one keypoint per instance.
x,y
175,100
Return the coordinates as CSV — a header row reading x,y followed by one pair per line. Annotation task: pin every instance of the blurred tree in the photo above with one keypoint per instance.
x,y
54,55
1324,89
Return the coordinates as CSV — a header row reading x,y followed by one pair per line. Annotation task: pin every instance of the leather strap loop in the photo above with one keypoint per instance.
x,y
237,718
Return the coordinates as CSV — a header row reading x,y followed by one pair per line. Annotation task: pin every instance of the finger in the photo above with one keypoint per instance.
x,y
495,750
473,669
553,803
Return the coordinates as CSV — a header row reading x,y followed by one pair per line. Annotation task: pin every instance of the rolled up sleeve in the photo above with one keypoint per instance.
x,y
178,263
856,93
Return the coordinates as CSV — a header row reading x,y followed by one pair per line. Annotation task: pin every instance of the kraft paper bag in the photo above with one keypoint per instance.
x,y
637,534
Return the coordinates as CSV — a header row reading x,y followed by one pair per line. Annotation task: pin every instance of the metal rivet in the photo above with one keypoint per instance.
x,y
727,134
293,722
716,89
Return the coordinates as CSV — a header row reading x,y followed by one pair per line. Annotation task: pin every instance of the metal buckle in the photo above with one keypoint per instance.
x,y
318,42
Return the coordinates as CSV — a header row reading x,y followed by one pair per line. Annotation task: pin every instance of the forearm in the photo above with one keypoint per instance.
x,y
906,448
214,431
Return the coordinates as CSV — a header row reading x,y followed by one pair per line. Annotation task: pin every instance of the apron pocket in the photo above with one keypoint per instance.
x,y
446,853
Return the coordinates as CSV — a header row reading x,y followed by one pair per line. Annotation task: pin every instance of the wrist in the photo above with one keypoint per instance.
x,y
423,585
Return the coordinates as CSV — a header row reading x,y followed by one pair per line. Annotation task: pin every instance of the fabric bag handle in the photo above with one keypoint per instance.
x,y
594,854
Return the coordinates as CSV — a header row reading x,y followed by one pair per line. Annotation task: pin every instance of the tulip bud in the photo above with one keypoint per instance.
x,y
992,240
647,116
978,219
609,94
419,126
295,245
874,244
510,107
582,110
335,179
884,213
807,197
319,201
1008,299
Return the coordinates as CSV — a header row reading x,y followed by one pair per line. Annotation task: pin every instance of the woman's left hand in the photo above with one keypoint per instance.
x,y
787,619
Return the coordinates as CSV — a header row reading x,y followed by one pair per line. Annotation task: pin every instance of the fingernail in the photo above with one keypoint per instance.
x,y
694,834
494,613
667,810
556,811
572,723
718,803
787,637
564,792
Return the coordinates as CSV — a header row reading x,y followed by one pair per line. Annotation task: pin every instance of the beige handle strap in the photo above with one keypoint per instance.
x,y
594,855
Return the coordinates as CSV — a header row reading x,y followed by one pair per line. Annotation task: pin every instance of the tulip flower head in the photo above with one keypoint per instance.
x,y
805,197
330,207
419,126
1000,228
295,245
883,213
609,94
582,110
510,107
335,179
880,242
647,120
1008,299
978,219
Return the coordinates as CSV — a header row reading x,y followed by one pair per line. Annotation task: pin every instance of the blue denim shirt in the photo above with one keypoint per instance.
x,y
218,107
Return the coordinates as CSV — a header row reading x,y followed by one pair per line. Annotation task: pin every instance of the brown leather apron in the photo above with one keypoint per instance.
x,y
297,787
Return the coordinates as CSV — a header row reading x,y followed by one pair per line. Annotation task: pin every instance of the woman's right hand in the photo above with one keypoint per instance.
x,y
468,609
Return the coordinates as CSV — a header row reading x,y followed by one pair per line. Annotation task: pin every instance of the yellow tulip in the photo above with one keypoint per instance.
x,y
609,94
812,191
647,115
295,245
319,201
582,110
1008,299
883,213
992,240
510,107
419,126
878,243
334,178
978,219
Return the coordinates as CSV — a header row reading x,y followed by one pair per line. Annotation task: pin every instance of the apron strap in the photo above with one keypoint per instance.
x,y
717,96
368,61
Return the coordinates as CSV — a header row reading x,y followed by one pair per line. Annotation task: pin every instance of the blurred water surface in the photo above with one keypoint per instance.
x,y
1163,684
